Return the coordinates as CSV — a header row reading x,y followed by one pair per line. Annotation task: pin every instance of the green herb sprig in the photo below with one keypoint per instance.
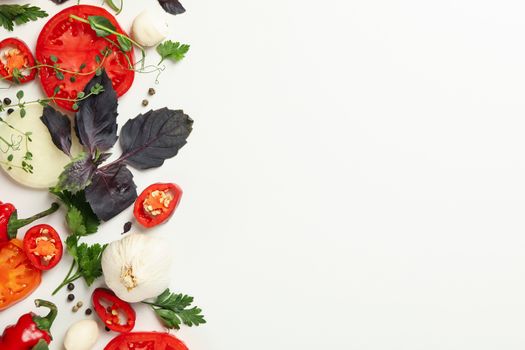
x,y
19,14
175,309
86,259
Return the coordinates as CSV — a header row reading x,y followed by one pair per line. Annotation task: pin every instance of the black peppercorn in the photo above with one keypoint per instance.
x,y
10,110
71,297
70,286
145,103
107,329
7,101
88,311
151,91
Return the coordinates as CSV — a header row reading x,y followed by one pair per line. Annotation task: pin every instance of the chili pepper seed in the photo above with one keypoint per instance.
x,y
75,308
80,304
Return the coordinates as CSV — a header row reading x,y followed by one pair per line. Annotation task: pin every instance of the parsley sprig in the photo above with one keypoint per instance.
x,y
175,309
173,51
19,14
86,260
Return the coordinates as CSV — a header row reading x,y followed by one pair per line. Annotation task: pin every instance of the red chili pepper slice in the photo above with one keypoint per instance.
x,y
15,55
146,341
116,314
157,203
43,247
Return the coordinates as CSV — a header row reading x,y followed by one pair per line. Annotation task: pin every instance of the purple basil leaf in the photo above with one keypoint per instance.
x,y
96,120
173,7
77,174
59,127
59,1
112,190
151,138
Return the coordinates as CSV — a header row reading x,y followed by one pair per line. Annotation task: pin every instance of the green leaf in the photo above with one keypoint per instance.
x,y
41,345
77,202
19,14
174,310
173,51
53,58
59,75
101,25
125,43
20,94
75,222
87,258
22,112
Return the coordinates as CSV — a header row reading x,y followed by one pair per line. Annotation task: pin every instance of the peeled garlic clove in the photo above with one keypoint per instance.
x,y
137,267
82,335
149,28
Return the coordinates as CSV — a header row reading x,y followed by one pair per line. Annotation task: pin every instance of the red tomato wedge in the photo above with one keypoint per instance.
x,y
146,341
18,278
15,55
43,247
74,46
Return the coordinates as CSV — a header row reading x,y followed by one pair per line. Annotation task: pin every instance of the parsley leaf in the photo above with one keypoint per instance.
x,y
174,51
19,14
80,218
86,259
174,310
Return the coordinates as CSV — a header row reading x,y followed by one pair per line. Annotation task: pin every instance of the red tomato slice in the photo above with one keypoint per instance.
x,y
75,47
146,341
18,278
43,247
157,203
14,54
116,314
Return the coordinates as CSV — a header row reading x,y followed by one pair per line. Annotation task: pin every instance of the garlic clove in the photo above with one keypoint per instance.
x,y
82,335
149,28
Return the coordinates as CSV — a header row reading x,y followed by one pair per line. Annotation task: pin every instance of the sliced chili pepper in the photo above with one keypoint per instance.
x,y
16,61
146,341
43,247
116,314
10,223
157,203
30,329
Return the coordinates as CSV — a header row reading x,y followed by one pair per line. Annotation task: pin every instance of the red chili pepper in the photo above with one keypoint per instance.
x,y
17,56
43,247
29,329
157,203
9,222
116,314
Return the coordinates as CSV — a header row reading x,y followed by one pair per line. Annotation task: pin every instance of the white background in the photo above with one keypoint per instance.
x,y
355,178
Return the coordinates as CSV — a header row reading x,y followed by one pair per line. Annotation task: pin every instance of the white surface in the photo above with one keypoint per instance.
x,y
355,179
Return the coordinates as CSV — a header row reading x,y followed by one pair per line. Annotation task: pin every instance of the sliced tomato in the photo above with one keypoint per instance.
x,y
157,203
18,277
146,341
73,46
43,247
116,314
15,57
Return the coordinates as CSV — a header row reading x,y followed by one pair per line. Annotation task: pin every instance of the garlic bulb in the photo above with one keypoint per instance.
x,y
149,28
137,267
82,335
